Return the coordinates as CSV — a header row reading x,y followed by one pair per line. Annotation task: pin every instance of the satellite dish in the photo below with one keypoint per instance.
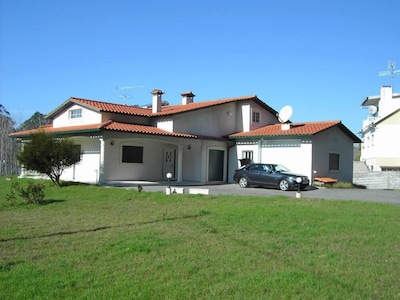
x,y
372,109
285,113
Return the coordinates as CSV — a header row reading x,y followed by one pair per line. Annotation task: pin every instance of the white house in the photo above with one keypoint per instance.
x,y
200,142
380,133
315,149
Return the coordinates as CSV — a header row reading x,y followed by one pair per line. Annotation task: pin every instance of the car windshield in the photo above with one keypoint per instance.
x,y
280,168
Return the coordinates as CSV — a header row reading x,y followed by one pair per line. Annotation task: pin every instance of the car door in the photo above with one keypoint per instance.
x,y
275,176
253,174
266,176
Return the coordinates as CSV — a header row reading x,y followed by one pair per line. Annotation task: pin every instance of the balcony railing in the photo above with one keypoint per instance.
x,y
369,120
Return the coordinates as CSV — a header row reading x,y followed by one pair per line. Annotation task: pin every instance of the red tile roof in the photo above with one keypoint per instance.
x,y
63,130
110,125
116,126
102,106
175,109
306,128
112,107
147,112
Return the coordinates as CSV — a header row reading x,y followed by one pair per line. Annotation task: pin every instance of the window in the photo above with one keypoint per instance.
x,y
256,117
132,154
333,162
247,154
75,113
254,168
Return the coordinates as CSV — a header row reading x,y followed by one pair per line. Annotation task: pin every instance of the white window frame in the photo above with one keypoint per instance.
x,y
75,113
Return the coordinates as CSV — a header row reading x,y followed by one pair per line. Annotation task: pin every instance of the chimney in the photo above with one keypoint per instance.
x,y
386,93
157,98
187,97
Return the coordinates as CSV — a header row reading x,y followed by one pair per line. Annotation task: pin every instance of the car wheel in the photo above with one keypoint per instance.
x,y
243,182
284,185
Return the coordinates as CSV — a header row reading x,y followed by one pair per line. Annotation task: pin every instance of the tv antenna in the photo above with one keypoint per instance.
x,y
123,90
391,70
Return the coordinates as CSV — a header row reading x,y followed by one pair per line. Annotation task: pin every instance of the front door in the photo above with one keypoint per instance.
x,y
169,161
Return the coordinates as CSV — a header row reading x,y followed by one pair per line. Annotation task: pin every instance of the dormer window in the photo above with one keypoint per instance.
x,y
75,113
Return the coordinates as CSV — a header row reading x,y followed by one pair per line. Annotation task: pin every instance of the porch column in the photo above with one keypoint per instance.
x,y
180,162
100,171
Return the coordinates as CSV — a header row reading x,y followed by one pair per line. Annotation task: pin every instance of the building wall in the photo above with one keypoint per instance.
x,y
221,120
337,142
295,153
193,165
150,170
88,169
125,118
88,117
380,146
215,121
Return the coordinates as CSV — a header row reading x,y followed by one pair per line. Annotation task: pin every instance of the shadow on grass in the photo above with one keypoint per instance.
x,y
73,183
7,266
61,233
50,201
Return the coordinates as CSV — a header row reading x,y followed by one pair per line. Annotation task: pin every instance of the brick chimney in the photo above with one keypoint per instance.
x,y
157,100
187,97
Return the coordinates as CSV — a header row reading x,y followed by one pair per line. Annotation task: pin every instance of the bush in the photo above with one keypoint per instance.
x,y
33,193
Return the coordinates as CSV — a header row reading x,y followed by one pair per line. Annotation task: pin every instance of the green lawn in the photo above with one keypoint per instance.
x,y
90,242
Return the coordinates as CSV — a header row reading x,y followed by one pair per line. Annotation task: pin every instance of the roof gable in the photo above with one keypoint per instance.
x,y
101,106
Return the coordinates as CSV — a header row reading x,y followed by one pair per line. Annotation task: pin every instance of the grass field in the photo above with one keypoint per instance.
x,y
91,242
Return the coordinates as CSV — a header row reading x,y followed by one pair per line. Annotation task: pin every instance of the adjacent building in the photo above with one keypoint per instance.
x,y
380,132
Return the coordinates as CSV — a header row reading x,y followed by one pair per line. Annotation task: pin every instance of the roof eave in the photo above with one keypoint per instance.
x,y
66,132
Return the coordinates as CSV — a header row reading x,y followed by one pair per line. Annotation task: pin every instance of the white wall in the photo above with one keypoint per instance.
x,y
150,169
294,154
388,103
87,170
165,124
88,117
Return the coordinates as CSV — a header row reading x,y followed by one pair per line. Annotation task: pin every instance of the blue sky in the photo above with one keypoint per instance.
x,y
320,57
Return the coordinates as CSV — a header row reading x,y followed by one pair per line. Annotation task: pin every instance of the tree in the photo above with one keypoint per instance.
x,y
47,155
35,121
8,146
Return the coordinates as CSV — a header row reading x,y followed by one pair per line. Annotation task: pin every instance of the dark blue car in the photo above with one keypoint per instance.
x,y
269,175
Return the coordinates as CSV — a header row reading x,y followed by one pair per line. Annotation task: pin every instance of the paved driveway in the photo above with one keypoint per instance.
x,y
381,196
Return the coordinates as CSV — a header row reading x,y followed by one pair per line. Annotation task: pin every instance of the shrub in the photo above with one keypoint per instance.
x,y
33,193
